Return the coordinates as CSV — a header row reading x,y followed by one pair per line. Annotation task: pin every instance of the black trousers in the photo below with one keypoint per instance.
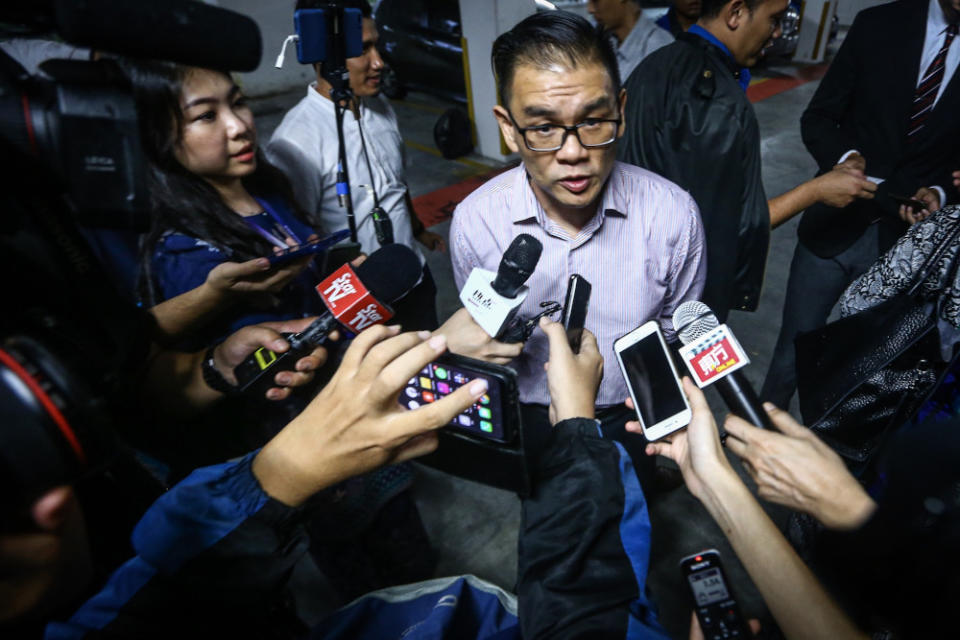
x,y
536,427
813,288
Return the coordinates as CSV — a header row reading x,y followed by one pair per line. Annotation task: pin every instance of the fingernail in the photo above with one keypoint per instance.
x,y
423,335
478,387
283,379
279,344
769,406
273,394
438,342
263,263
393,328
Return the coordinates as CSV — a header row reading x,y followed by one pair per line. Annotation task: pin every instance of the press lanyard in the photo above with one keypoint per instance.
x,y
271,238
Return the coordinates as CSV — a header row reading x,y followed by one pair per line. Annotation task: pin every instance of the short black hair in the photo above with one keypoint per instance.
x,y
548,37
712,8
363,5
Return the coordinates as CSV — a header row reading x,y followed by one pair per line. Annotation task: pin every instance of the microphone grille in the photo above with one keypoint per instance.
x,y
693,319
524,252
390,272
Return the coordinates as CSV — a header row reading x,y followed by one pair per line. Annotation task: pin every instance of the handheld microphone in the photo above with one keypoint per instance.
x,y
713,356
494,298
355,299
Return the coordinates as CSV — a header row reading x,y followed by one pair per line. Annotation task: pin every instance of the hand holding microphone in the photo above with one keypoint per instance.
x,y
713,356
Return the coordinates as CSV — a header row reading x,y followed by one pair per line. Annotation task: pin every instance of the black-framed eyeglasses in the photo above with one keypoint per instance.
x,y
591,133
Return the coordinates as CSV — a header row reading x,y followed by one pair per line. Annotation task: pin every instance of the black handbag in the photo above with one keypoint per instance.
x,y
864,374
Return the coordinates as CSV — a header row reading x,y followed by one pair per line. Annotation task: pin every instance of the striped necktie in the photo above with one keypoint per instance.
x,y
929,87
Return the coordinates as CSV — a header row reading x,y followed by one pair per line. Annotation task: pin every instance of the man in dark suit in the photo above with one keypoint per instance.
x,y
888,106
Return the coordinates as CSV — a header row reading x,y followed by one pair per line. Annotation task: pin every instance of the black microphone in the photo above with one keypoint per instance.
x,y
191,33
355,299
494,298
694,319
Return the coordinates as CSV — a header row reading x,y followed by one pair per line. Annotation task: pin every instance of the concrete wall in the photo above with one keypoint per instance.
x,y
847,9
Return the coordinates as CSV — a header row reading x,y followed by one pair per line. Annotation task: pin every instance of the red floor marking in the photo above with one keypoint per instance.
x,y
437,206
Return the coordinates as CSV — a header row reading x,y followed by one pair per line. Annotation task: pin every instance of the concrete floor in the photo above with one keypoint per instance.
x,y
474,527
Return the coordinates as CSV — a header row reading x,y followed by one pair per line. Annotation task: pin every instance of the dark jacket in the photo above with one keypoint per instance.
x,y
688,119
215,554
864,103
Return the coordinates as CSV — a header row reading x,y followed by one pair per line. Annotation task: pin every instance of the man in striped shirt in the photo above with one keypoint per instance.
x,y
636,237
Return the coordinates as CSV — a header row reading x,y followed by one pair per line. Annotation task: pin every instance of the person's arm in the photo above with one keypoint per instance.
x,y
689,269
466,338
796,469
224,285
429,239
215,551
801,606
820,122
836,188
174,385
585,538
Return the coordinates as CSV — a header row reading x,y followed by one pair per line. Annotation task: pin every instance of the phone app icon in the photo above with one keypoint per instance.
x,y
485,413
413,404
441,373
443,388
465,421
460,379
428,397
426,383
412,382
425,371
485,399
486,426
411,392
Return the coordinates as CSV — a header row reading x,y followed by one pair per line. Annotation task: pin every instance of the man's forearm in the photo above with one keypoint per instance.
x,y
801,606
789,204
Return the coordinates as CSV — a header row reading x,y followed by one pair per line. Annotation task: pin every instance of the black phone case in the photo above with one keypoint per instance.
x,y
497,464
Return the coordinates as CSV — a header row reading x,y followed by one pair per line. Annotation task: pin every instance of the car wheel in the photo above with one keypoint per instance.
x,y
390,84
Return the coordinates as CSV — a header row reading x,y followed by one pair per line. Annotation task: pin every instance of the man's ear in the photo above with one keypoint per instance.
x,y
623,112
510,134
734,14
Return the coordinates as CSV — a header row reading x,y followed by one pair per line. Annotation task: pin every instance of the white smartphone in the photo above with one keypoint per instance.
x,y
662,407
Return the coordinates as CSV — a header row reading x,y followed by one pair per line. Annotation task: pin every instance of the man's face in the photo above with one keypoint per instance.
x,y
757,28
365,69
690,9
573,176
951,10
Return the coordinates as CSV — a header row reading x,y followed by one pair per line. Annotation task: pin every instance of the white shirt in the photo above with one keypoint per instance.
x,y
645,38
305,148
936,32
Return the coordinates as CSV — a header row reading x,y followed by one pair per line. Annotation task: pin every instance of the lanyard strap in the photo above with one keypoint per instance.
x,y
271,238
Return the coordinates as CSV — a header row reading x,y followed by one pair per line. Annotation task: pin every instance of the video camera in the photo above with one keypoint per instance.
x,y
71,348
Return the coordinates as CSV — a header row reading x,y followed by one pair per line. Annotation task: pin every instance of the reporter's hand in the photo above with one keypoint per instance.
x,y
238,347
48,565
956,180
432,241
696,449
253,276
696,633
466,338
855,163
841,186
931,201
796,469
573,378
355,424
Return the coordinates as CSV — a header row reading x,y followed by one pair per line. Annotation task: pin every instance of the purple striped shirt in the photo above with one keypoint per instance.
x,y
643,252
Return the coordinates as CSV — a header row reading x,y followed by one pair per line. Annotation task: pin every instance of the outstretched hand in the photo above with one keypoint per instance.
x,y
573,378
355,424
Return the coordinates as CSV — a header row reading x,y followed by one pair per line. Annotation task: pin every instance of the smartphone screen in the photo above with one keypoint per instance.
x,y
651,377
575,309
436,380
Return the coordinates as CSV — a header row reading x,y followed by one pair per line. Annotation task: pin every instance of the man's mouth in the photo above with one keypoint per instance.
x,y
575,184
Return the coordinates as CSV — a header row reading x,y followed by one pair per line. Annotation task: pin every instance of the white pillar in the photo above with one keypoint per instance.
x,y
482,21
816,17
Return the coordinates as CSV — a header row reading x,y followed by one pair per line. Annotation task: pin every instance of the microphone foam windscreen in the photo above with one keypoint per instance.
x,y
517,264
390,272
693,319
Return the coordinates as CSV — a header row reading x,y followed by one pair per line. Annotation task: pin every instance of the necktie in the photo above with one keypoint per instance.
x,y
929,87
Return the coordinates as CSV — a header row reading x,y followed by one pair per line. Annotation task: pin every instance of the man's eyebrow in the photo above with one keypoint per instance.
x,y
534,111
603,101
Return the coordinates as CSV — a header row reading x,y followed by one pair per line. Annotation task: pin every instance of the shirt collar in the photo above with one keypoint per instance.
x,y
743,75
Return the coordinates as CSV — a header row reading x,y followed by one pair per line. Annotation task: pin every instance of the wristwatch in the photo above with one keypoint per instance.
x,y
212,375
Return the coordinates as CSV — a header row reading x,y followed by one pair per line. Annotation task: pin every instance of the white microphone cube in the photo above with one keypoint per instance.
x,y
487,307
